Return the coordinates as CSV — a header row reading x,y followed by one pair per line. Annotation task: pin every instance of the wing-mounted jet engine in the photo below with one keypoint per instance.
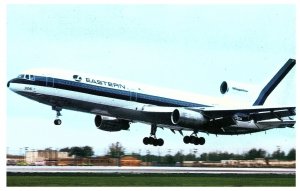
x,y
110,123
187,118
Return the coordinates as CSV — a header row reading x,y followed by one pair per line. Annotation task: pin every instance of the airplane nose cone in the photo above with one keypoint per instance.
x,y
8,83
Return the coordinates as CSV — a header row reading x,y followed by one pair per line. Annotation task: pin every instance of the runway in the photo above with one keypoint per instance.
x,y
144,170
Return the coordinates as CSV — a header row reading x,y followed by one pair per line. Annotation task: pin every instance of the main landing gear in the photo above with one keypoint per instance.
x,y
152,140
57,121
194,139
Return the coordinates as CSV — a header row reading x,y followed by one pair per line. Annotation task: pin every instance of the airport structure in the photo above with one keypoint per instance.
x,y
15,159
45,157
57,158
258,162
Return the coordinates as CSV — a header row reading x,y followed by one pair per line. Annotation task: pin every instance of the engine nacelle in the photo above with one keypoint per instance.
x,y
110,123
187,118
233,86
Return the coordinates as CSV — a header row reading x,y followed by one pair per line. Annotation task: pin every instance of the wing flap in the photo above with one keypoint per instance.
x,y
288,123
279,114
258,112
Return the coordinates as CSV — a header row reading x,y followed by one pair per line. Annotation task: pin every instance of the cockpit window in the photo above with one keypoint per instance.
x,y
21,76
26,76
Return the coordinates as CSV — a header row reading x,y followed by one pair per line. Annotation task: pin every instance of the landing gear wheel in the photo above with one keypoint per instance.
x,y
201,140
194,139
146,140
57,122
187,140
152,140
160,142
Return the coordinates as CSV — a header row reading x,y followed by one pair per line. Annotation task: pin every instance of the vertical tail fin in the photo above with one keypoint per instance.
x,y
267,90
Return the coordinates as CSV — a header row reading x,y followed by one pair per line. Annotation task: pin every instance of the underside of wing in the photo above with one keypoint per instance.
x,y
256,113
216,120
282,124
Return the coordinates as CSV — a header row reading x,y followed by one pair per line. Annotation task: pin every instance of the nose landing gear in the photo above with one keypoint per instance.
x,y
57,121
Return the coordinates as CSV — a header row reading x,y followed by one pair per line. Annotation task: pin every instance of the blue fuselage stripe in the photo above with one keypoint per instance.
x,y
106,92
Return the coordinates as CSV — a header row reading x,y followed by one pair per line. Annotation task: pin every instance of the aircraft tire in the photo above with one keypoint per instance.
x,y
57,122
196,141
151,140
186,139
160,142
146,140
193,139
201,140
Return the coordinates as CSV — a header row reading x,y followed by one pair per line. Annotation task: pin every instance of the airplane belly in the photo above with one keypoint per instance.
x,y
98,105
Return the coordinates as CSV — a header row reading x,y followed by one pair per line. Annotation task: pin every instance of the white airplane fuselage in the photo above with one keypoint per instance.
x,y
119,99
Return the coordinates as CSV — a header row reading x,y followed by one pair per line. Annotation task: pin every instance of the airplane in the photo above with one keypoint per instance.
x,y
117,104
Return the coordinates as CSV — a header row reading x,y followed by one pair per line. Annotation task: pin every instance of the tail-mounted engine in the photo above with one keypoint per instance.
x,y
233,86
110,123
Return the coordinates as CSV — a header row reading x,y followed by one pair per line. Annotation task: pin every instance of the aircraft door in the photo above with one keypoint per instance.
x,y
133,96
49,82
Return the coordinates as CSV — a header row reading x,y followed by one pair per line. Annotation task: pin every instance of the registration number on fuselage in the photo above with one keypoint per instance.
x,y
28,88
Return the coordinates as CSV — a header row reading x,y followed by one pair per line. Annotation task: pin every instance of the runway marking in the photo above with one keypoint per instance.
x,y
144,170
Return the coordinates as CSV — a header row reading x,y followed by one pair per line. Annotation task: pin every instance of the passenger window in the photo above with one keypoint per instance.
x,y
27,76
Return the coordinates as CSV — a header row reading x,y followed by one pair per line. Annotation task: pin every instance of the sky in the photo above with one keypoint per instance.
x,y
189,48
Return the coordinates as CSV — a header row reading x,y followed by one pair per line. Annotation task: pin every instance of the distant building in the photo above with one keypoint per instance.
x,y
280,163
191,163
56,158
45,157
14,159
130,161
258,162
90,161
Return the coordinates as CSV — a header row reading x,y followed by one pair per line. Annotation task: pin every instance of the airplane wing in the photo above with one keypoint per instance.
x,y
256,113
220,117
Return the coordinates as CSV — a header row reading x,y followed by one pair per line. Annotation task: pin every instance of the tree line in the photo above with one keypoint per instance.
x,y
86,151
116,150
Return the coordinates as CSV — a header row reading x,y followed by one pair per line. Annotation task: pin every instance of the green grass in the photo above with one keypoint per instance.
x,y
132,180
